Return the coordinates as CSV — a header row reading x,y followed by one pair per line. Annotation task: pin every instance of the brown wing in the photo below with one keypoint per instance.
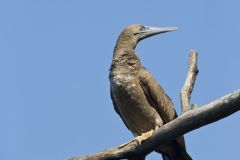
x,y
156,96
158,99
116,109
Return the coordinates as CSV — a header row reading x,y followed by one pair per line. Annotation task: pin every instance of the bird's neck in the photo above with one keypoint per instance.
x,y
125,45
125,58
125,41
124,55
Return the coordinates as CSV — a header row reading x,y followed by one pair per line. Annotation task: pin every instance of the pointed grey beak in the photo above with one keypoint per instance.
x,y
149,31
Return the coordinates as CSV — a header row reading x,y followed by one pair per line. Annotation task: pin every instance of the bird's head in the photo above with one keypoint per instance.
x,y
134,33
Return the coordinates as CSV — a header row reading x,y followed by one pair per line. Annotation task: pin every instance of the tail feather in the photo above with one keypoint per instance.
x,y
181,156
137,158
173,151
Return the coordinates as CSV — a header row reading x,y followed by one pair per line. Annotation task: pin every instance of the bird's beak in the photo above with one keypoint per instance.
x,y
151,31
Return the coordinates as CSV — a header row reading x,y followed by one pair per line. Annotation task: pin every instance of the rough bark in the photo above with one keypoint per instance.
x,y
189,82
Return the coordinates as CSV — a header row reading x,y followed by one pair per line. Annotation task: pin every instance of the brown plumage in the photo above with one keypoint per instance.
x,y
137,97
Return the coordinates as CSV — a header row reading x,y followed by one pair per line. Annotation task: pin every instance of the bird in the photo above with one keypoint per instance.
x,y
137,97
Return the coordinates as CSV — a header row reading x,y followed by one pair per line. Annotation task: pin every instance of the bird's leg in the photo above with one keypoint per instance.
x,y
123,145
141,138
144,136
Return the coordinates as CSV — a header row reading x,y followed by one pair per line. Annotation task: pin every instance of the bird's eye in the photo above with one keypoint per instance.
x,y
142,28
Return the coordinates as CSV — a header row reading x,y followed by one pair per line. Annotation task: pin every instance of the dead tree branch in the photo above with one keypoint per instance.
x,y
189,82
185,123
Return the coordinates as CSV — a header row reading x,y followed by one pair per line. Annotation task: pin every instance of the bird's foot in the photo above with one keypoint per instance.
x,y
123,145
144,136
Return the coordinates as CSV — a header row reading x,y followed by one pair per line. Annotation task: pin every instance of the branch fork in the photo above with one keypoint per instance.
x,y
189,82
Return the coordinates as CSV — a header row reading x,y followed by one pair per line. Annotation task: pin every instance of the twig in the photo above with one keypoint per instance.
x,y
189,82
187,122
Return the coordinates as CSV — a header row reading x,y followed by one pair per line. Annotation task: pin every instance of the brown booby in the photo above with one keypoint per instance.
x,y
137,97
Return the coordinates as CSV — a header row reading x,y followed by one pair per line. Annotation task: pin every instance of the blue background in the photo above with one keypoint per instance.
x,y
54,61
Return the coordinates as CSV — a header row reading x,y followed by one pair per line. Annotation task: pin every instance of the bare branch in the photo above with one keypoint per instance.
x,y
187,122
189,82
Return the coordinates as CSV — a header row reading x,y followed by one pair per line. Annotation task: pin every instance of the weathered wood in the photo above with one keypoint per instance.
x,y
187,122
189,82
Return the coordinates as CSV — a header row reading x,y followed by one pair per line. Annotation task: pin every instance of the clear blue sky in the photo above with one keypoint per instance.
x,y
54,61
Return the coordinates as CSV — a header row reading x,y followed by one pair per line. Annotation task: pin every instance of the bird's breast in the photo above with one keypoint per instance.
x,y
132,103
121,79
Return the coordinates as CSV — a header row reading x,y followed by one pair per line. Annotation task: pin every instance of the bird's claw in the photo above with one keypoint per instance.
x,y
144,136
123,145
